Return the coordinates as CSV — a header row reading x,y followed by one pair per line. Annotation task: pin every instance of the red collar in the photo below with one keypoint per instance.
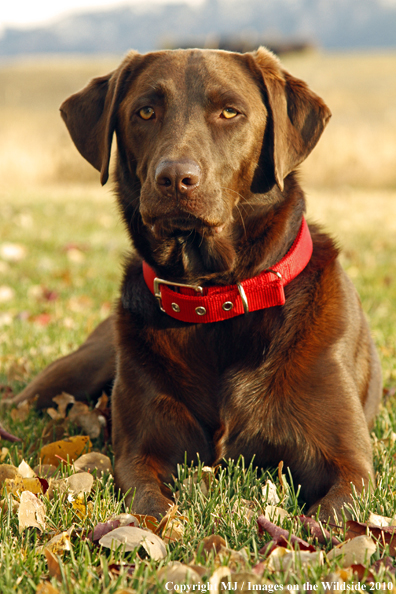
x,y
195,304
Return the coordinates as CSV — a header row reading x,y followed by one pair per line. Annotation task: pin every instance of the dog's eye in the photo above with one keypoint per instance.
x,y
147,113
229,112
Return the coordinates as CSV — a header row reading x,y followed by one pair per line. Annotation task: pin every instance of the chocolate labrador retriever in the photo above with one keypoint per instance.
x,y
237,332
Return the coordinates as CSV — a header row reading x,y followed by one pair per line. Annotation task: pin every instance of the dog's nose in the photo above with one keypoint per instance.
x,y
177,176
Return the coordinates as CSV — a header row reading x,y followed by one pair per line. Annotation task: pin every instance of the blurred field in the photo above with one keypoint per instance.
x,y
51,202
357,149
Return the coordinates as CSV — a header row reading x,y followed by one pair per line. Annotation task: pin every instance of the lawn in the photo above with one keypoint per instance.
x,y
61,250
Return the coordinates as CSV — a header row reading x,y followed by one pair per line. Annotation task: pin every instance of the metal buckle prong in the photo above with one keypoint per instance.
x,y
278,274
243,298
161,281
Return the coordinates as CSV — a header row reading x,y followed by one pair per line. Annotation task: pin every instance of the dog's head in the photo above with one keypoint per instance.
x,y
197,133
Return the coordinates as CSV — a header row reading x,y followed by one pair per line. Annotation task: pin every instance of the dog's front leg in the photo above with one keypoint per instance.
x,y
152,433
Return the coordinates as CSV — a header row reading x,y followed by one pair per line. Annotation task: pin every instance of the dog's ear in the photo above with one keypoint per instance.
x,y
90,115
299,116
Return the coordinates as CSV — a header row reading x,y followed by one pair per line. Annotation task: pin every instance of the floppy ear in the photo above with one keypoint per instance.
x,y
299,116
91,114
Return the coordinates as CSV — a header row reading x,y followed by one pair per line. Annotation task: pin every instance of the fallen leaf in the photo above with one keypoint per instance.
x,y
211,544
94,461
45,470
317,530
148,522
177,573
275,513
120,568
282,537
381,521
80,482
103,528
131,538
46,588
18,485
282,559
8,471
63,401
42,319
31,512
244,508
59,543
21,412
204,478
174,531
25,471
232,559
353,552
217,576
88,420
270,493
66,450
385,534
4,452
53,565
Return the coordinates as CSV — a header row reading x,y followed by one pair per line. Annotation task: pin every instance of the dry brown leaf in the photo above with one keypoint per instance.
x,y
67,450
14,486
89,421
46,588
176,573
275,514
31,512
53,565
7,471
45,470
173,531
210,544
355,551
21,412
127,519
131,538
63,400
81,482
93,461
233,559
59,543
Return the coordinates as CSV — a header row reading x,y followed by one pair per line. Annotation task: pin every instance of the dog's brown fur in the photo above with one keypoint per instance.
x,y
212,200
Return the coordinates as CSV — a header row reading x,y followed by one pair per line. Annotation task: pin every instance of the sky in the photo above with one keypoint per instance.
x,y
25,13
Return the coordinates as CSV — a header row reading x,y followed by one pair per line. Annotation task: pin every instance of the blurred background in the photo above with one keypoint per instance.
x,y
61,242
345,49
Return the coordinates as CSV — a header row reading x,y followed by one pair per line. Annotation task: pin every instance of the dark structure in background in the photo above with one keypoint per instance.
x,y
238,43
332,24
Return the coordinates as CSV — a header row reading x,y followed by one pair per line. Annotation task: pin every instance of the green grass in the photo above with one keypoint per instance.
x,y
50,223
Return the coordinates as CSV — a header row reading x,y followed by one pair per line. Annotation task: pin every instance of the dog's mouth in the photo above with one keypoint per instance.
x,y
182,225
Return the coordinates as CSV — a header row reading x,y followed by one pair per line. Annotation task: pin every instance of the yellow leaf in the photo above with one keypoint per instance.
x,y
18,485
60,542
46,588
67,450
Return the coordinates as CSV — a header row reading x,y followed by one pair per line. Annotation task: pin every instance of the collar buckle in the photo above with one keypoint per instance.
x,y
160,281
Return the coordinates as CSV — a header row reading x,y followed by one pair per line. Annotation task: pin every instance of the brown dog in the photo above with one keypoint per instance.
x,y
285,369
